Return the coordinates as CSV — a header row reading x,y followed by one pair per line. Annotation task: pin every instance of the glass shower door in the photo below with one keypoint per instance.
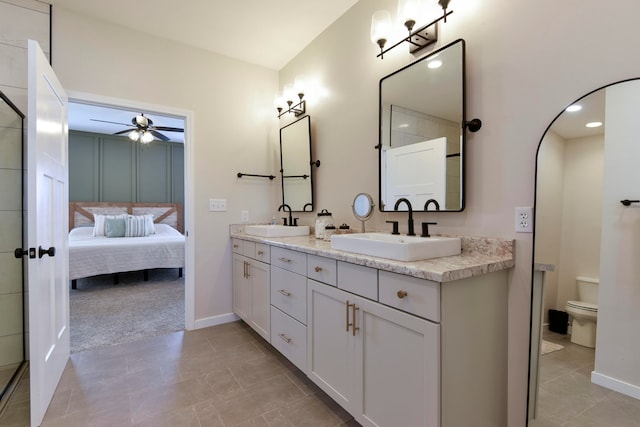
x,y
12,350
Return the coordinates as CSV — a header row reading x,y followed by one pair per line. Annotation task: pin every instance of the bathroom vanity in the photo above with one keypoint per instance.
x,y
419,343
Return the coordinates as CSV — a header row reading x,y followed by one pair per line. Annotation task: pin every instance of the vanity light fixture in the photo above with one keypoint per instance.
x,y
409,13
291,100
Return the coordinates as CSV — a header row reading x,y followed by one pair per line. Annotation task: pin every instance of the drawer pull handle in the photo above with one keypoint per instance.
x,y
356,328
285,293
284,259
347,314
235,246
318,269
401,294
284,338
260,253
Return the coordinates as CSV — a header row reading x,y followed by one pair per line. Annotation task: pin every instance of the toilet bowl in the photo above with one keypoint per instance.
x,y
584,312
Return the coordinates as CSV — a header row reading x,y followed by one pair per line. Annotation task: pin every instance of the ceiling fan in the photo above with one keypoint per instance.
x,y
143,129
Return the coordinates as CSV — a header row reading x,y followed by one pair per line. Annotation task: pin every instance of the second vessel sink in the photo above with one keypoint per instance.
x,y
276,230
397,247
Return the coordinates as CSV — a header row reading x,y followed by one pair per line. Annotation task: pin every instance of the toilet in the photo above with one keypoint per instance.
x,y
584,312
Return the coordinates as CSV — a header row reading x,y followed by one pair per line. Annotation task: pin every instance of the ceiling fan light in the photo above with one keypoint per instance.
x,y
141,120
134,135
146,137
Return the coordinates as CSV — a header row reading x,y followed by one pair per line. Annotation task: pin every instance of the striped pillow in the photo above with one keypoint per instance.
x,y
136,226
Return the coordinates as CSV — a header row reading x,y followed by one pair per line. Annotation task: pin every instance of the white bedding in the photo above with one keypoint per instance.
x,y
91,256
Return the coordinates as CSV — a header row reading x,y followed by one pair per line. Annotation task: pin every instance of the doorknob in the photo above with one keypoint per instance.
x,y
42,252
19,252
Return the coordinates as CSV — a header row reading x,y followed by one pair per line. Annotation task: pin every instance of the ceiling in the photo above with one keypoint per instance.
x,y
572,125
263,32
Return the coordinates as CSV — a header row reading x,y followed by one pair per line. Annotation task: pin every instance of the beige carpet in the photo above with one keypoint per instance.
x,y
104,314
549,347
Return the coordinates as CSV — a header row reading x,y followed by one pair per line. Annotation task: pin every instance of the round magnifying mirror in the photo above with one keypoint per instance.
x,y
363,207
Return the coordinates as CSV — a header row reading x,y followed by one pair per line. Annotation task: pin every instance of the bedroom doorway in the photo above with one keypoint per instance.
x,y
156,305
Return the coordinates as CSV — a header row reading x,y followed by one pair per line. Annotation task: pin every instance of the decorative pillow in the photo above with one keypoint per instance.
x,y
136,226
151,228
115,227
99,227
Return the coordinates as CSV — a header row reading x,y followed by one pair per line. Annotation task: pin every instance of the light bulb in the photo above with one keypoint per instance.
x,y
289,93
299,86
279,102
146,137
409,11
380,27
134,135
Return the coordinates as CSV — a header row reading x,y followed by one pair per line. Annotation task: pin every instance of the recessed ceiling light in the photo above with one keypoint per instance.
x,y
435,64
573,108
593,124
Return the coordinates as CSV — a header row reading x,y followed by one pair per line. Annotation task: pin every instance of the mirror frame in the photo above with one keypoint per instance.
x,y
463,127
309,163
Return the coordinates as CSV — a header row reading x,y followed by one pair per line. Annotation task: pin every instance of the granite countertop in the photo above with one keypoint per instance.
x,y
479,256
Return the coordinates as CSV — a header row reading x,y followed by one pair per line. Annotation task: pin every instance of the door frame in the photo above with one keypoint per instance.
x,y
189,194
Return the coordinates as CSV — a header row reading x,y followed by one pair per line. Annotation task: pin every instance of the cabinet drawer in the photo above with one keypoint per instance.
x,y
248,248
416,296
290,338
322,269
289,293
263,252
358,279
289,260
236,246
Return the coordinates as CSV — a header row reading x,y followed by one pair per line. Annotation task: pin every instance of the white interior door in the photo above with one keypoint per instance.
x,y
47,222
416,172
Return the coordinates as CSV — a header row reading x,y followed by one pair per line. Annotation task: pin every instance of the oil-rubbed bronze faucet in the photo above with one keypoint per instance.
x,y
410,223
284,208
434,201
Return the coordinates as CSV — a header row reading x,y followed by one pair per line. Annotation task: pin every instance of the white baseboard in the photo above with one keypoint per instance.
x,y
215,320
616,385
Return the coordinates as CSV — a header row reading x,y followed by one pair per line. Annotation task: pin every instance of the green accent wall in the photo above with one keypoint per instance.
x,y
105,168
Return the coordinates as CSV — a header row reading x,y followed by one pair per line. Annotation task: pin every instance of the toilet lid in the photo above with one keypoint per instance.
x,y
583,305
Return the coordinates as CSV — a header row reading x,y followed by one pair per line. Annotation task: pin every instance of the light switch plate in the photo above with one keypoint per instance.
x,y
217,205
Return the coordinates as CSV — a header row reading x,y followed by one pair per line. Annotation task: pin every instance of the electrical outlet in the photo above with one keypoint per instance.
x,y
217,205
524,220
245,216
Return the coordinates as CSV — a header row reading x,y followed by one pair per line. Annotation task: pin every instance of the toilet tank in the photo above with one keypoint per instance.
x,y
587,289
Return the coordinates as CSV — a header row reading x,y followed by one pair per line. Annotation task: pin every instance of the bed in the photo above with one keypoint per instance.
x,y
91,255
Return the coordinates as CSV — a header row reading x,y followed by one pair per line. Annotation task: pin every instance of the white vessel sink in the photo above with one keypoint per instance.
x,y
397,247
276,230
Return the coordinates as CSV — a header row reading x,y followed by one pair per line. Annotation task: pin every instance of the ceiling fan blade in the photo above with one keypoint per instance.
x,y
122,132
158,135
115,123
168,129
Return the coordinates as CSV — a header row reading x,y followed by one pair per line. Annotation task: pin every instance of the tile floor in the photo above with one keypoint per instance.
x,y
220,376
567,398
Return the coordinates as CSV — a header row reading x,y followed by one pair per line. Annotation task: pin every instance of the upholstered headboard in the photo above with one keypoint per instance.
x,y
81,213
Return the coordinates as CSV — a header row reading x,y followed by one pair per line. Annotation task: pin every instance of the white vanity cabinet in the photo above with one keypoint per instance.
x,y
251,285
380,364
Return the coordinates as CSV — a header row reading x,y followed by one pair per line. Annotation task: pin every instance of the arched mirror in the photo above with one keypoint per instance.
x,y
295,165
421,139
585,352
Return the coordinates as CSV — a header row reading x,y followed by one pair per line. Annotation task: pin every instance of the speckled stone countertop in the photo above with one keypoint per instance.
x,y
479,256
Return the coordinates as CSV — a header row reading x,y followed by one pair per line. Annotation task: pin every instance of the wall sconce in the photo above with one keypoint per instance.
x,y
409,13
291,100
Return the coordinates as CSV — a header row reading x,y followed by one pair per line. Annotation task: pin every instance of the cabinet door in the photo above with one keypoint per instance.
x,y
259,274
241,288
397,374
330,343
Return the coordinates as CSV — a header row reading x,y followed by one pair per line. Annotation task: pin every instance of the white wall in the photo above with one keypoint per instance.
x,y
526,61
617,345
549,204
235,127
581,215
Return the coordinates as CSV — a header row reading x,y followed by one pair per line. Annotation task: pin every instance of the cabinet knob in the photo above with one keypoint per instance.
x,y
260,253
318,269
401,294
